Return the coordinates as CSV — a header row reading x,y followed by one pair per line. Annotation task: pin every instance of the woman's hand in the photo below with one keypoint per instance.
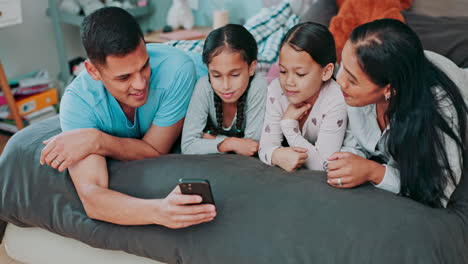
x,y
296,112
347,170
243,146
289,159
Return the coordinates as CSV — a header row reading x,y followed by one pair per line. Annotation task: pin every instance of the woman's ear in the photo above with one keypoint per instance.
x,y
92,70
387,92
252,68
328,71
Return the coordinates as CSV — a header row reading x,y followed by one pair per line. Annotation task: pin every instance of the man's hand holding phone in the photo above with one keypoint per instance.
x,y
179,210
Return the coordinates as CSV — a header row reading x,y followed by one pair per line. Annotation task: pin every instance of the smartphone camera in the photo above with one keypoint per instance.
x,y
199,187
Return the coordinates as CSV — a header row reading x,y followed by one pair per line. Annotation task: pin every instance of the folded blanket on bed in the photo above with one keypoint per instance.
x,y
265,215
353,13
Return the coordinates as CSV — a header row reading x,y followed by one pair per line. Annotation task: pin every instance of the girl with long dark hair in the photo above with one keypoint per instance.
x,y
305,105
407,116
227,106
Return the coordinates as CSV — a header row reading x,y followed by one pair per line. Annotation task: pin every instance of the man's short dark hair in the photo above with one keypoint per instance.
x,y
110,31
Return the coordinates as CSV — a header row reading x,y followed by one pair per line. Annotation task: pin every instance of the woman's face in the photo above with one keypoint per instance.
x,y
300,76
357,87
229,75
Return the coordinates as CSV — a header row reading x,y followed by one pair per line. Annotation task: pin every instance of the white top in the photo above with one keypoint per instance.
x,y
365,139
322,133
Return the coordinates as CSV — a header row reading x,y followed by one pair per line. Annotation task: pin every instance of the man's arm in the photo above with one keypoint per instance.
x,y
90,177
72,146
157,141
64,150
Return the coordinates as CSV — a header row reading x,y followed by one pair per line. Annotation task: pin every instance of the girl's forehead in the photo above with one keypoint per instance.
x,y
228,60
291,57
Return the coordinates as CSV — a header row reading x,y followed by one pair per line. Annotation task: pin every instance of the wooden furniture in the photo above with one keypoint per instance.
x,y
10,99
10,14
155,36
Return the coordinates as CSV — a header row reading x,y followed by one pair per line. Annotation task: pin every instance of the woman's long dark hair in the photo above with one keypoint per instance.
x,y
235,38
313,38
391,53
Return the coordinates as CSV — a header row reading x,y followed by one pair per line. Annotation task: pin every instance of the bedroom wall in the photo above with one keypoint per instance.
x,y
239,10
31,45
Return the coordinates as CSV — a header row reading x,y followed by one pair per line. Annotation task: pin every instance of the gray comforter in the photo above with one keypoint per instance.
x,y
265,215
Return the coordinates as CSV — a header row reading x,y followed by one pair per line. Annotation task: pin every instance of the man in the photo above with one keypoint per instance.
x,y
129,104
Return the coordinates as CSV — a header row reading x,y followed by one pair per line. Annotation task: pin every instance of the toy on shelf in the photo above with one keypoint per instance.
x,y
180,15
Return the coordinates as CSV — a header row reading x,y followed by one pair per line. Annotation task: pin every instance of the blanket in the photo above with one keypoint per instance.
x,y
265,215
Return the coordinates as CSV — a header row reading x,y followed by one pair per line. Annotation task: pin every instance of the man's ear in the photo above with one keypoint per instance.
x,y
328,71
252,68
92,70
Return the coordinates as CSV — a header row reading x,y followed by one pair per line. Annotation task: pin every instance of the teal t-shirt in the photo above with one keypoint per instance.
x,y
87,104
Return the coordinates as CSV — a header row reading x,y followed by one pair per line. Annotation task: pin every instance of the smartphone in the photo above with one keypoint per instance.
x,y
199,187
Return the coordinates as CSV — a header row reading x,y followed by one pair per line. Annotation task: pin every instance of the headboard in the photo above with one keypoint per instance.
x,y
440,7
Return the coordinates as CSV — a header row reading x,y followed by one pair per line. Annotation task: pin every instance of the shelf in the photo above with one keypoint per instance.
x,y
76,20
58,17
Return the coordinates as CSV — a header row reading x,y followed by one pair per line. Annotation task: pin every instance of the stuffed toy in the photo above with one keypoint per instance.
x,y
180,15
76,6
89,6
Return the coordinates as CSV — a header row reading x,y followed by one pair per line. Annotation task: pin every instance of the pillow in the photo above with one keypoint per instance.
x,y
444,35
273,72
440,8
265,214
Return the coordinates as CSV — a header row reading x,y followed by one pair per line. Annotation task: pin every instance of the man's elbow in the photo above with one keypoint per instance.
x,y
154,153
88,196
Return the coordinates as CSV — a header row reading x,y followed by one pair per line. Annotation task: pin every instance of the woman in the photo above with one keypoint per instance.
x,y
407,117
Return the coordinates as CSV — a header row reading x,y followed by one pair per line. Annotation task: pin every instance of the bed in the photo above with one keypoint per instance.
x,y
265,215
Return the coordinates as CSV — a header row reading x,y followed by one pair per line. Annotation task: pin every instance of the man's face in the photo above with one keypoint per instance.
x,y
125,77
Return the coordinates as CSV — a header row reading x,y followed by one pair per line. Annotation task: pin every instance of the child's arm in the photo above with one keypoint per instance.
x,y
193,141
255,108
271,134
330,136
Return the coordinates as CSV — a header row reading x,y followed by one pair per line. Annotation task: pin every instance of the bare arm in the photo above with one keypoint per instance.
x,y
72,146
157,141
91,181
90,177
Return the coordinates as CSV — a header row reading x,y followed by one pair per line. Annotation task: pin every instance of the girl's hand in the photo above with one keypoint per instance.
x,y
347,170
243,146
296,112
208,136
290,159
